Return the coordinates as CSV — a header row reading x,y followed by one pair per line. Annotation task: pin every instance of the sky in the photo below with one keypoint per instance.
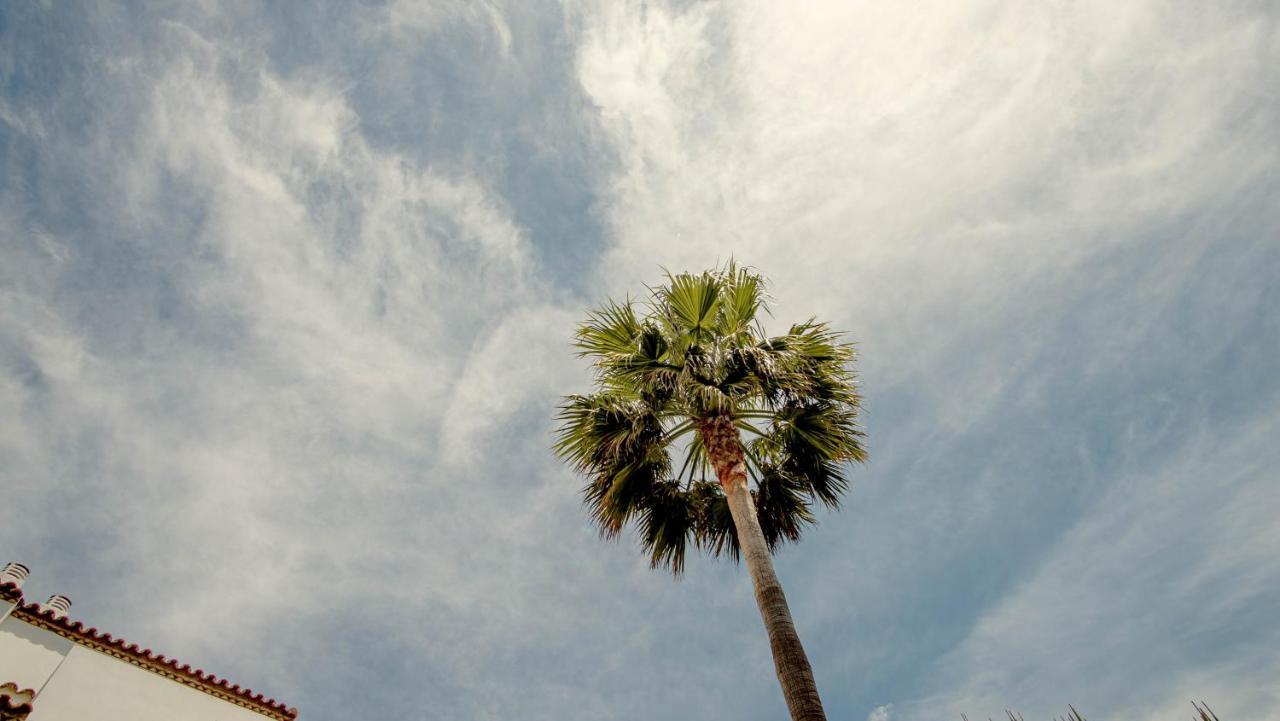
x,y
287,292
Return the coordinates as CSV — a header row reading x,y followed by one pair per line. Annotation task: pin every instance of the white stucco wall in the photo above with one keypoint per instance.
x,y
28,655
93,685
76,683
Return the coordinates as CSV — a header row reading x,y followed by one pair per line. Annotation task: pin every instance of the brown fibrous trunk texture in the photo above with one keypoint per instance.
x,y
728,458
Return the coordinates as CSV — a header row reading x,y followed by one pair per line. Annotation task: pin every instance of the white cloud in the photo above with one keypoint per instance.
x,y
1171,559
304,396
881,713
937,165
947,182
247,463
415,17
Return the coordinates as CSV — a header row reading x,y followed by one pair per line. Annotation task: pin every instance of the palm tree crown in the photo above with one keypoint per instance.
x,y
693,357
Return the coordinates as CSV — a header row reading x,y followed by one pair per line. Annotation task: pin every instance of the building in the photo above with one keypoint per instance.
x,y
55,669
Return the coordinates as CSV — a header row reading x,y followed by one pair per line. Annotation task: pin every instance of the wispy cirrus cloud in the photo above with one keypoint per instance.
x,y
285,318
1048,230
240,393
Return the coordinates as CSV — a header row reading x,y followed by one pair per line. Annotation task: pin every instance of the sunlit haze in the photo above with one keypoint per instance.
x,y
288,290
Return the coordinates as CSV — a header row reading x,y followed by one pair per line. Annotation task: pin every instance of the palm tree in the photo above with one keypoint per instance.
x,y
692,375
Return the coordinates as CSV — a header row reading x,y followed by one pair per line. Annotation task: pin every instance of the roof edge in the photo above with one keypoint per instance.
x,y
144,657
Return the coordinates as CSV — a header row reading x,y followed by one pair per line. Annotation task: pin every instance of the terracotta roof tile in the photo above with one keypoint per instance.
x,y
145,657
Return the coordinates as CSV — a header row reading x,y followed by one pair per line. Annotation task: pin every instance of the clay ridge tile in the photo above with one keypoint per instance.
x,y
144,657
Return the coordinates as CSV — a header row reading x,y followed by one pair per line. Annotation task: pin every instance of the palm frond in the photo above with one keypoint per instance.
x,y
714,530
613,497
743,297
618,444
813,443
695,459
692,301
666,525
695,351
605,429
610,332
781,506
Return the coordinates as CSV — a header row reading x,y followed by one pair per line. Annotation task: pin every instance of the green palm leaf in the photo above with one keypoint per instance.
x,y
695,351
610,332
691,302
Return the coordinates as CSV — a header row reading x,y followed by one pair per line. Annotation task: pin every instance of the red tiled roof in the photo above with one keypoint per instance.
x,y
145,657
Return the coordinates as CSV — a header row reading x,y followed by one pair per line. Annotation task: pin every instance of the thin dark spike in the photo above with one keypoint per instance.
x,y
1204,712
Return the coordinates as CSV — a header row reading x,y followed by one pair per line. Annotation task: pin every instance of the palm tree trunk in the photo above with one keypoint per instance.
x,y
724,450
